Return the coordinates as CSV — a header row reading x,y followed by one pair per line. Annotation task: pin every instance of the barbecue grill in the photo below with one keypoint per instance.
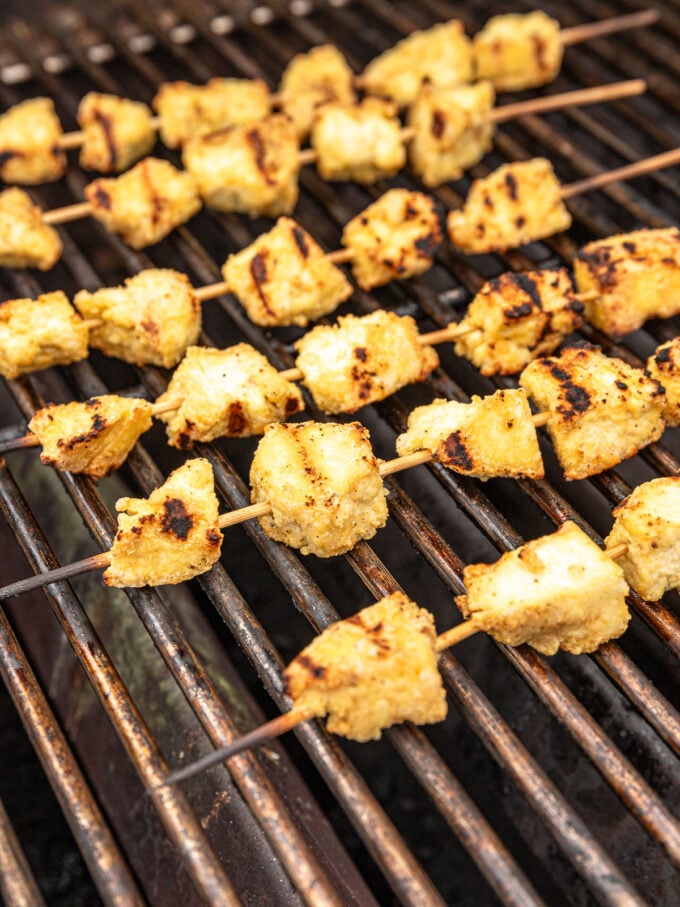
x,y
551,781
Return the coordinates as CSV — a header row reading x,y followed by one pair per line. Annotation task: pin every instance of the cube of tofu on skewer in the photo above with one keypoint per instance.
x,y
29,143
361,360
323,484
312,79
518,51
118,132
372,670
664,366
25,241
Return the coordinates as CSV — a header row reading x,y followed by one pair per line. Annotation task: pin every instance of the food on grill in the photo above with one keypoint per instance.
x,y
25,241
490,436
394,238
516,204
518,51
373,670
312,79
151,320
29,143
635,276
118,132
285,277
515,318
323,484
664,366
601,410
93,437
233,392
560,591
146,203
362,360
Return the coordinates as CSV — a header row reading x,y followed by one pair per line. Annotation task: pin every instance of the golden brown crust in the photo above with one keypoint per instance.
x,y
311,79
29,143
518,51
118,132
25,241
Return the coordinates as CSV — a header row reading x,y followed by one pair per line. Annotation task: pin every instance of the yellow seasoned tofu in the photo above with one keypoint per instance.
x,y
189,111
93,437
29,143
311,79
252,169
362,360
373,670
518,51
118,132
171,536
490,436
394,238
452,128
360,142
601,410
285,277
234,393
664,366
560,591
515,318
516,204
25,241
440,56
151,320
323,484
39,333
648,523
633,277
146,203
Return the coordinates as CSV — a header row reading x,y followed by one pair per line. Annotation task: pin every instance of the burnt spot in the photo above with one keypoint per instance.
x,y
236,419
663,356
361,353
260,275
260,152
184,441
155,200
601,266
559,373
291,406
92,402
622,386
6,156
488,201
578,400
518,311
630,247
363,220
300,240
101,197
575,306
410,212
520,221
315,670
428,244
175,518
105,123
365,389
511,185
97,426
214,538
438,124
456,453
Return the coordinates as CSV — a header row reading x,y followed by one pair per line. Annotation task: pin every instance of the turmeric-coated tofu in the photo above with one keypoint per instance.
x,y
664,366
118,132
372,670
25,240
29,143
518,51
311,79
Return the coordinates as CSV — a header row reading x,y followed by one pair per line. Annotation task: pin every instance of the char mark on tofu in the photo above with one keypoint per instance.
x,y
99,424
176,519
106,124
260,151
511,185
300,241
101,197
457,452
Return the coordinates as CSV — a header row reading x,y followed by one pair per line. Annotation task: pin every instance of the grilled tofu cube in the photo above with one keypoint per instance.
x,y
118,132
317,77
601,410
394,238
39,333
171,536
453,130
323,484
440,56
252,169
373,670
516,204
233,393
664,366
189,111
518,51
146,203
560,591
515,318
648,523
25,241
29,143
360,142
93,437
362,360
634,276
285,277
490,436
151,320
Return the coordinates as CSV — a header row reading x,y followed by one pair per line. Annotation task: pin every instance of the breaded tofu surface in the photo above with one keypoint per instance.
x,y
362,360
648,523
394,238
518,51
143,205
441,56
360,142
373,670
93,437
453,130
601,410
171,536
39,333
515,318
490,436
117,132
151,320
25,241
252,169
311,79
234,393
560,591
285,277
29,143
323,484
516,204
635,276
664,366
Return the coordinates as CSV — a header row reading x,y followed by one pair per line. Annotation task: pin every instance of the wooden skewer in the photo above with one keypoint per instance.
x,y
591,30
